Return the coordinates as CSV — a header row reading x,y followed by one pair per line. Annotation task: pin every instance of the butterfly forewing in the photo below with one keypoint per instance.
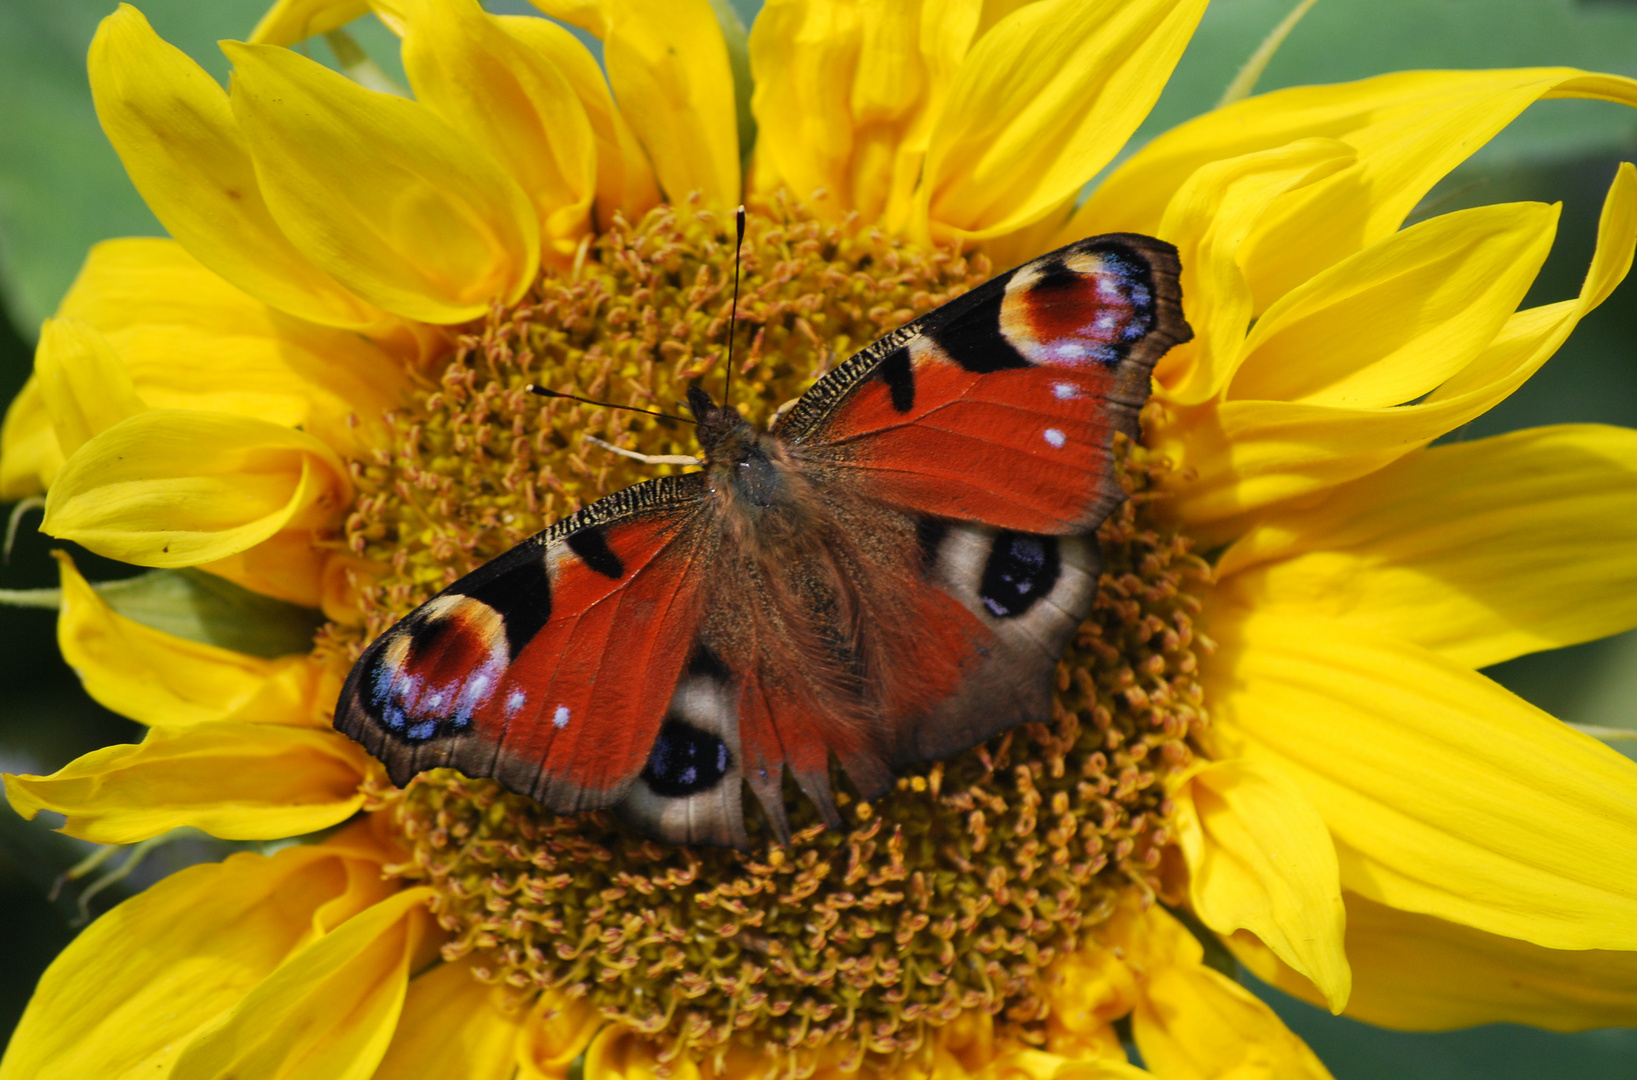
x,y
893,581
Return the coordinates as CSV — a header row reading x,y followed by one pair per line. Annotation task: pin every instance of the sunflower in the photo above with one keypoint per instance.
x,y
1270,735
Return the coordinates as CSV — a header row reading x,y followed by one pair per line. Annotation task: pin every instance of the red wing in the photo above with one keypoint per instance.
x,y
1001,406
549,668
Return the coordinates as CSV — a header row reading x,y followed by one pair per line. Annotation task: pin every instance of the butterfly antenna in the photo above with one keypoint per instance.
x,y
543,392
733,313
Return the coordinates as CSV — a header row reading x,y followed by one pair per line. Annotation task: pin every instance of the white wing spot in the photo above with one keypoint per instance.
x,y
559,719
1065,391
514,701
1055,437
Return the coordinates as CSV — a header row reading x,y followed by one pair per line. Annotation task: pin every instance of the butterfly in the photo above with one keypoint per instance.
x,y
887,576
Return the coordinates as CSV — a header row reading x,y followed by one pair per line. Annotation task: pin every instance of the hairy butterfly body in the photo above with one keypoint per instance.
x,y
887,576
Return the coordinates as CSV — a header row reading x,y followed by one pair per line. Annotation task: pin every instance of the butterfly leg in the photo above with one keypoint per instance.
x,y
646,459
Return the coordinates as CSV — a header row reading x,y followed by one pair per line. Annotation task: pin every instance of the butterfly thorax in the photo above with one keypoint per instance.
x,y
746,467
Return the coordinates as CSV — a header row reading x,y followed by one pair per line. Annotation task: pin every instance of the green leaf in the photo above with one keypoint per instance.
x,y
200,607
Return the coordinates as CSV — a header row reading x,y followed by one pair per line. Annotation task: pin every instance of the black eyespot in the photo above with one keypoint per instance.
x,y
685,761
1021,569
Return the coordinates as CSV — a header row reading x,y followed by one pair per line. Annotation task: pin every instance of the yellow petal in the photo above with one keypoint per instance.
x,y
1260,859
669,68
1410,129
510,100
1391,323
1043,101
846,96
29,455
172,488
1087,990
391,200
1479,551
591,16
289,22
329,1011
173,129
1193,1023
1445,794
234,780
192,341
1237,456
1417,973
556,1033
289,565
1209,221
452,1026
85,387
625,179
126,994
159,679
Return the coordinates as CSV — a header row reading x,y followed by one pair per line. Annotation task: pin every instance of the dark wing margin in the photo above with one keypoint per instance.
x,y
445,686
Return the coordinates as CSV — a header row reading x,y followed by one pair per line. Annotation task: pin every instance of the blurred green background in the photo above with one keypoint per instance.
x,y
62,189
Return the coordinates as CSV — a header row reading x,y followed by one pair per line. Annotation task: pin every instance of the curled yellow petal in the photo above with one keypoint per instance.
x,y
557,1031
190,340
1237,456
1260,859
591,16
328,1011
127,994
1391,323
173,488
1208,221
512,101
29,454
1479,551
159,679
391,200
625,179
172,127
453,1025
1445,794
1043,101
234,780
1409,128
85,387
1088,990
1193,1023
1418,973
669,69
289,22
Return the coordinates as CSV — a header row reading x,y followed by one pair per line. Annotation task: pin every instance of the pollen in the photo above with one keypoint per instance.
x,y
953,895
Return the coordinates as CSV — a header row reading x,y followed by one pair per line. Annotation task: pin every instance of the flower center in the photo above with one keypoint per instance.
x,y
952,893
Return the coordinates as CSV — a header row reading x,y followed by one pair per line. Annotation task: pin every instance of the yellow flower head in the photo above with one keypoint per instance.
x,y
1270,733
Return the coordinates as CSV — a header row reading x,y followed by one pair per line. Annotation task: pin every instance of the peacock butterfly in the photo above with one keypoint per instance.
x,y
887,576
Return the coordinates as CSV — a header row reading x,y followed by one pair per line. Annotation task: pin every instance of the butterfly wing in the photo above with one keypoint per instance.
x,y
550,668
1001,406
991,421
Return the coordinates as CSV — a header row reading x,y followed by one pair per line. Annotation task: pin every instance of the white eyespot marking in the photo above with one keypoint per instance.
x,y
1055,437
1065,391
1069,350
1105,322
514,701
434,701
559,719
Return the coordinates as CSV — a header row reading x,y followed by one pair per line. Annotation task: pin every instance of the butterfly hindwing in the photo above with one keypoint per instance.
x,y
1001,406
551,666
